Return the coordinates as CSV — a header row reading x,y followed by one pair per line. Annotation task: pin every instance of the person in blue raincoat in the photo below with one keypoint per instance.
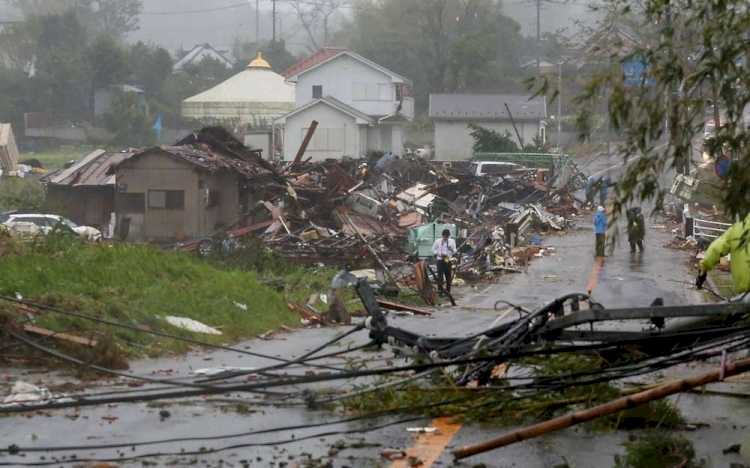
x,y
600,227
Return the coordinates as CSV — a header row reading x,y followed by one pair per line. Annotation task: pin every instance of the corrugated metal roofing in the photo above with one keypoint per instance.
x,y
89,171
486,107
204,158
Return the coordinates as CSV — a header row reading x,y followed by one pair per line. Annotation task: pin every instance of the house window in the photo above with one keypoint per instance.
x,y
213,199
317,91
326,139
372,92
131,202
173,200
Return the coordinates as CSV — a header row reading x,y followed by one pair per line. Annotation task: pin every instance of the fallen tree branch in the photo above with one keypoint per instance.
x,y
605,409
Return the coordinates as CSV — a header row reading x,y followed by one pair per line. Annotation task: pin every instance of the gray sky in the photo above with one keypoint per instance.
x,y
230,19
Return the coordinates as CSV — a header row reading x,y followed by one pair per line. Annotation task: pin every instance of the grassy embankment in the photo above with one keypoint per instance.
x,y
139,285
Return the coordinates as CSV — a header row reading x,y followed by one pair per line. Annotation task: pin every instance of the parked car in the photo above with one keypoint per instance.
x,y
493,168
34,223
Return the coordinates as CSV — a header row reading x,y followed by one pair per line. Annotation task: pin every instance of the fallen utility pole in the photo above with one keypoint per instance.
x,y
605,409
305,142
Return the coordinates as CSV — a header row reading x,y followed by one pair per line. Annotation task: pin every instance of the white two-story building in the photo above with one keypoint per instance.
x,y
359,106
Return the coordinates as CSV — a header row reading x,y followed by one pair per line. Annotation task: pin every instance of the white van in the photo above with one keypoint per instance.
x,y
493,168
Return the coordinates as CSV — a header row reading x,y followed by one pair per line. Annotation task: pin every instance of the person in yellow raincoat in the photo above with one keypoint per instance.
x,y
736,241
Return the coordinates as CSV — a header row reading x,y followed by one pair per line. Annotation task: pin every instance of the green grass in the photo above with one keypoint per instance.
x,y
139,284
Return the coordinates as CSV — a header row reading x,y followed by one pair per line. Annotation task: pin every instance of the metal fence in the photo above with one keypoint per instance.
x,y
702,228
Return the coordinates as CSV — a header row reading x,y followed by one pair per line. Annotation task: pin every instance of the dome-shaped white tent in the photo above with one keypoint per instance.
x,y
256,95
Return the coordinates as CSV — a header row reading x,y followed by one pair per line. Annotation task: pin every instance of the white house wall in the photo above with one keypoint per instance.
x,y
340,76
453,141
328,118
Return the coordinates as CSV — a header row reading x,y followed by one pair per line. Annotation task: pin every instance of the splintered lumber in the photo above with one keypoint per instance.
x,y
612,407
61,336
306,313
403,307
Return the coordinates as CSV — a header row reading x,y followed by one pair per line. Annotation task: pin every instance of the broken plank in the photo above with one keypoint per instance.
x,y
62,336
306,313
403,307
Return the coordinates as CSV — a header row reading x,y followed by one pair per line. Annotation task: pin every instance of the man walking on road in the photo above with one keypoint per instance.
x,y
600,227
736,241
636,228
444,249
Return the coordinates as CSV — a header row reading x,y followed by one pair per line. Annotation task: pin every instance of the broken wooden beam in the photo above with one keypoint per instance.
x,y
60,336
306,313
403,307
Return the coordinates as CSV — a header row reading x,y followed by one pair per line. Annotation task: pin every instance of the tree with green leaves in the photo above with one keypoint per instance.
x,y
128,122
114,17
700,58
274,52
109,61
490,141
150,66
441,45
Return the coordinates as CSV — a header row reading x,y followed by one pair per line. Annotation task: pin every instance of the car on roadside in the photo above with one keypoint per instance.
x,y
494,168
25,224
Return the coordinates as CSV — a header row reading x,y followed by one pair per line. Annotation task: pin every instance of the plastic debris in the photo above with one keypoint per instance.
x,y
24,392
191,325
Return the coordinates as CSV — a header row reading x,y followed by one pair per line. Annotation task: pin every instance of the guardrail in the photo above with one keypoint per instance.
x,y
702,228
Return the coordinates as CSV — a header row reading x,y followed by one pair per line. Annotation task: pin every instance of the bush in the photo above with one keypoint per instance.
x,y
658,449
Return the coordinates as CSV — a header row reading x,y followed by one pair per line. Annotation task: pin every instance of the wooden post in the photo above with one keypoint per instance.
x,y
369,247
305,142
611,407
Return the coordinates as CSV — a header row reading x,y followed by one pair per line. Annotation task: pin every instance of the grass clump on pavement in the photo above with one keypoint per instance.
x,y
657,449
139,285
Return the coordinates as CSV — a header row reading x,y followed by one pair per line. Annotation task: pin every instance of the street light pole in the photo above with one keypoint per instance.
x,y
559,104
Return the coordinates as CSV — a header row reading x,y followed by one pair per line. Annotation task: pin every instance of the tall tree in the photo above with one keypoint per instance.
x,y
442,45
274,52
316,18
700,55
151,66
109,61
115,17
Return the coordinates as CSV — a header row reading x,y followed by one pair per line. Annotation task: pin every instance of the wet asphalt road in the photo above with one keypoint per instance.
x,y
625,280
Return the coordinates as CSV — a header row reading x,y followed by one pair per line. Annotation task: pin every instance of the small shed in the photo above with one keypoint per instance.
x,y
84,192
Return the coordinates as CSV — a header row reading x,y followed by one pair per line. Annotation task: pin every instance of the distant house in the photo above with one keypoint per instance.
x,y
452,113
197,54
102,97
85,192
188,190
359,105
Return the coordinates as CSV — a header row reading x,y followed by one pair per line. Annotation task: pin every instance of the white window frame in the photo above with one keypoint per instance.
x,y
381,92
326,139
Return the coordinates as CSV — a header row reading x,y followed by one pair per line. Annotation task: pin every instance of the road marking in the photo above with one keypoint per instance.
x,y
594,278
429,447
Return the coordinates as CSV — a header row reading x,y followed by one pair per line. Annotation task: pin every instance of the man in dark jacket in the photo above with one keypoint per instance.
x,y
636,228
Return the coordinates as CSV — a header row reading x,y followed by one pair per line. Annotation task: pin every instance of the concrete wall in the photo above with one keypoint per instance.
x,y
328,118
338,78
453,141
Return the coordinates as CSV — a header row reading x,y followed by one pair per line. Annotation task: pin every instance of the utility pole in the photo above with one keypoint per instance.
x,y
538,33
559,105
257,22
273,2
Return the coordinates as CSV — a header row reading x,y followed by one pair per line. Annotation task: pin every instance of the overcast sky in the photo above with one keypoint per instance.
x,y
170,24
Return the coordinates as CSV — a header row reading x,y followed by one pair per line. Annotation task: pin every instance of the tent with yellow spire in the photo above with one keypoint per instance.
x,y
256,96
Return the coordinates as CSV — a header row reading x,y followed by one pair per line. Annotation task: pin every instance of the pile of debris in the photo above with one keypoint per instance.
x,y
348,213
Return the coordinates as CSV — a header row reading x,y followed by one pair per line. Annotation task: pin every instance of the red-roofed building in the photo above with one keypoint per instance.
x,y
360,106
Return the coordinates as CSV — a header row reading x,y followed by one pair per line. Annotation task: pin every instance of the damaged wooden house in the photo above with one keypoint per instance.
x,y
190,190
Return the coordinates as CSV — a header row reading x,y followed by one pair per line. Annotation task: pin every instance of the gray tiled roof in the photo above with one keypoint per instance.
x,y
486,107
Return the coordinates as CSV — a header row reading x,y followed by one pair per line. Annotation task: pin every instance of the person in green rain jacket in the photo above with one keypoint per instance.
x,y
736,241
